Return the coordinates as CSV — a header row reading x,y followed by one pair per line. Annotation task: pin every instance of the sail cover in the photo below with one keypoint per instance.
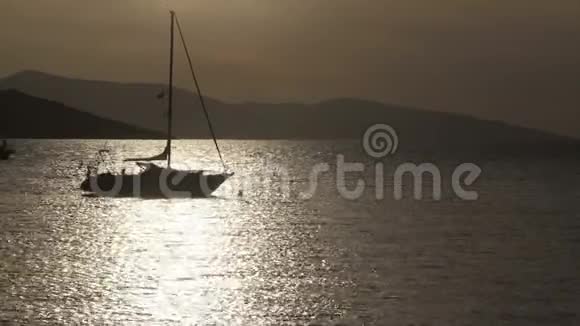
x,y
160,157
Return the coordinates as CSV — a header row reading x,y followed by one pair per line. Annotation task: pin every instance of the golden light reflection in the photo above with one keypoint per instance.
x,y
171,256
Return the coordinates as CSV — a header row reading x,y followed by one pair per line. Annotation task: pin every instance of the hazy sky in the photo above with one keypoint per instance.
x,y
514,60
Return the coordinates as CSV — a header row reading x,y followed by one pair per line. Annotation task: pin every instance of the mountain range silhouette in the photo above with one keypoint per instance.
x,y
134,110
25,116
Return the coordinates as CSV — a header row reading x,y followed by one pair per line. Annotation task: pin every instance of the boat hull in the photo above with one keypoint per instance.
x,y
155,183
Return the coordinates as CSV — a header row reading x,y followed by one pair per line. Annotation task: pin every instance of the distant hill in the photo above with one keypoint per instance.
x,y
340,118
25,116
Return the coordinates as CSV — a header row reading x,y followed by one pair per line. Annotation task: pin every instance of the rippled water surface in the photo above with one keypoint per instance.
x,y
258,253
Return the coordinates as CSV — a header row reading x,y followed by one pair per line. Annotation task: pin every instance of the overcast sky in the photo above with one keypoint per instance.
x,y
513,60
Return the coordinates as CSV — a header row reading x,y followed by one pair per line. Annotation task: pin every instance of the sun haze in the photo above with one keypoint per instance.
x,y
515,61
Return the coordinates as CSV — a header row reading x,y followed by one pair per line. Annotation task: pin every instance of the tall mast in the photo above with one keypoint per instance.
x,y
170,109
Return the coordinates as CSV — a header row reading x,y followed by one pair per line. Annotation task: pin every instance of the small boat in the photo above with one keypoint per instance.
x,y
5,152
154,180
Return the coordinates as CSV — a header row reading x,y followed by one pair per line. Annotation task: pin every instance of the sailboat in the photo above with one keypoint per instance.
x,y
5,152
155,180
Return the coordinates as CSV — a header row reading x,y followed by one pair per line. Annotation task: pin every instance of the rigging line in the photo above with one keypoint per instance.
x,y
201,99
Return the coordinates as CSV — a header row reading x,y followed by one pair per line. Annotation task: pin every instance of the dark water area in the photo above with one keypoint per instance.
x,y
265,250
